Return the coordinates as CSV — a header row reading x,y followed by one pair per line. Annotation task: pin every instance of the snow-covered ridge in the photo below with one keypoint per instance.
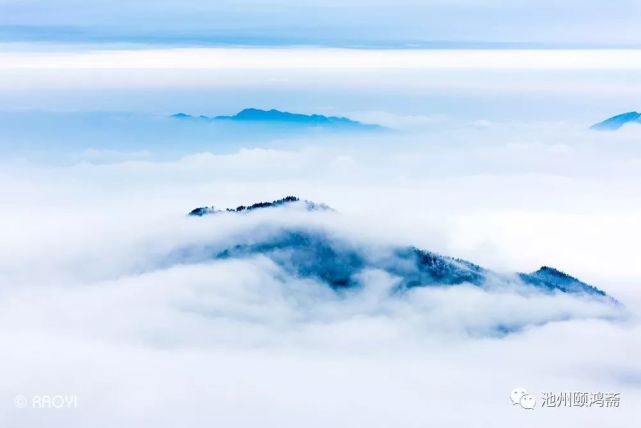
x,y
287,200
313,253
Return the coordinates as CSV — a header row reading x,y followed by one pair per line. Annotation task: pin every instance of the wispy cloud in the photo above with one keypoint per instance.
x,y
373,23
306,58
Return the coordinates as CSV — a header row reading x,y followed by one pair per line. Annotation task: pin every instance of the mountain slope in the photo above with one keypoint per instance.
x,y
314,253
616,122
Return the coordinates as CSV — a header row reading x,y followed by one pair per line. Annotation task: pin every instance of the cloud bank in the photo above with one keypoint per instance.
x,y
109,291
95,303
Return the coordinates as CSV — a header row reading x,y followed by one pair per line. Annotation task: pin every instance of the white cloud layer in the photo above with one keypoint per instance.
x,y
491,166
90,307
323,58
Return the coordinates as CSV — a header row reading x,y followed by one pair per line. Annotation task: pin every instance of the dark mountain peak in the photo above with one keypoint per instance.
x,y
555,279
616,122
201,211
547,270
310,206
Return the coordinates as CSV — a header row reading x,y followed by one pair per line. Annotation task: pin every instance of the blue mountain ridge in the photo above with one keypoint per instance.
x,y
312,253
253,115
616,122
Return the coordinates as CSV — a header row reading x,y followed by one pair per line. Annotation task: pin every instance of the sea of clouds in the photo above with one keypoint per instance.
x,y
93,305
488,158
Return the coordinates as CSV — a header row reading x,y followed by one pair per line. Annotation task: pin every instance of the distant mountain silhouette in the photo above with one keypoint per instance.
x,y
312,253
282,117
616,122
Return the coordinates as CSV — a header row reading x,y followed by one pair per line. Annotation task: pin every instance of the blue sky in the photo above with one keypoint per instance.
x,y
369,23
